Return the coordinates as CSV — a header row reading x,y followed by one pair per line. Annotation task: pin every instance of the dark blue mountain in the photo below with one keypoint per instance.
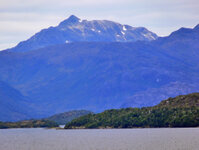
x,y
101,75
13,105
74,29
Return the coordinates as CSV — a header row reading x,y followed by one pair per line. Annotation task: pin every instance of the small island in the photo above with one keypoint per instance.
x,y
181,111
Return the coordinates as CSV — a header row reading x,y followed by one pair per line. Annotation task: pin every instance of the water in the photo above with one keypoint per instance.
x,y
104,139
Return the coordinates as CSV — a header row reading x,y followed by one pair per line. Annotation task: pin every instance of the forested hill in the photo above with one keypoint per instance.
x,y
63,118
190,100
181,111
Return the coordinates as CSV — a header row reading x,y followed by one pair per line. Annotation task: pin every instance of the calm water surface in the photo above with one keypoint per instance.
x,y
104,139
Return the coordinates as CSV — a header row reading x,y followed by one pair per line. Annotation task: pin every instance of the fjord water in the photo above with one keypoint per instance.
x,y
102,139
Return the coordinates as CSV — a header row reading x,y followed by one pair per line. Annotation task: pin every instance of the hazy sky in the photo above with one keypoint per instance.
x,y
20,19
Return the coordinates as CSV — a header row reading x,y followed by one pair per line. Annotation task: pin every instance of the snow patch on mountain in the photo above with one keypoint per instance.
x,y
124,28
122,32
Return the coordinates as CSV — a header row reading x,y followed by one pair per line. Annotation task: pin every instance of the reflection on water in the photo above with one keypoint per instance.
x,y
104,139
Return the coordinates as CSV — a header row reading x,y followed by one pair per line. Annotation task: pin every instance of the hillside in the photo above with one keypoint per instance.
x,y
66,117
181,111
191,100
13,105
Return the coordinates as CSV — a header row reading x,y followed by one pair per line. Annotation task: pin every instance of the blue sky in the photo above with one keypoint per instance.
x,y
20,19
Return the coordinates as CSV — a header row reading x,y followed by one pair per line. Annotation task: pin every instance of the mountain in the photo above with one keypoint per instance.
x,y
181,111
66,117
74,29
184,34
97,76
180,45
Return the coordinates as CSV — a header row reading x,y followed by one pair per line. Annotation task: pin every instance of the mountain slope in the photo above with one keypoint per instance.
x,y
152,96
182,45
74,29
13,105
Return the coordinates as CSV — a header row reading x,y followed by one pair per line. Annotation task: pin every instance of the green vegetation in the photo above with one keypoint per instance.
x,y
66,117
29,124
181,111
190,100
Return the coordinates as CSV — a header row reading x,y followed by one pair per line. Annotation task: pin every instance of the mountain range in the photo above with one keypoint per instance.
x,y
52,76
74,29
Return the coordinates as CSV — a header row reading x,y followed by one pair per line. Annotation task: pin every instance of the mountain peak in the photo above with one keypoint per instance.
x,y
70,20
196,27
73,18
